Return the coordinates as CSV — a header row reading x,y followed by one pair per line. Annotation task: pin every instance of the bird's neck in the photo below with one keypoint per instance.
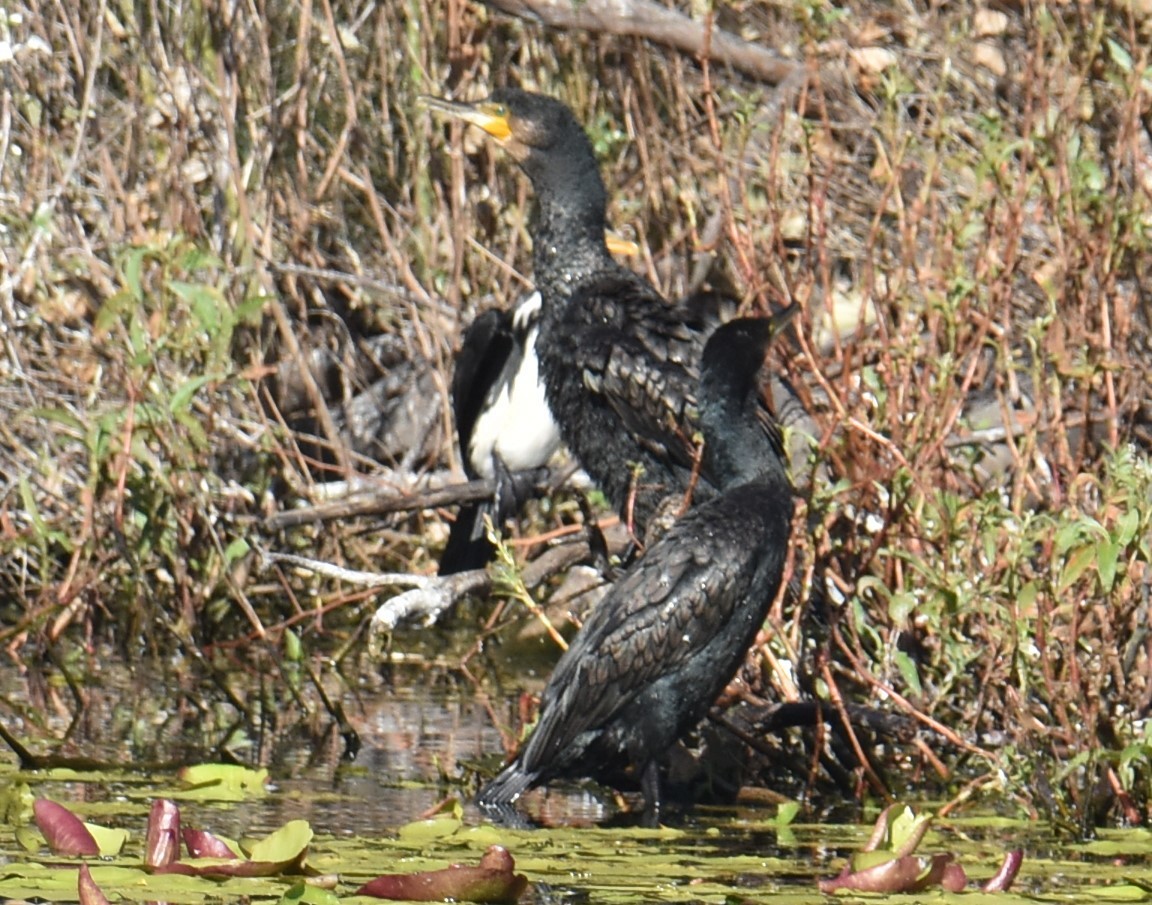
x,y
568,233
738,448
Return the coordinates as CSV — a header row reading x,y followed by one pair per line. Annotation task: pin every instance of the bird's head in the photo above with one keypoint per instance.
x,y
523,123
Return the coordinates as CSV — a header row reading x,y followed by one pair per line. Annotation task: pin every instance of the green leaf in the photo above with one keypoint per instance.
x,y
58,416
285,845
1066,536
906,830
184,393
427,830
223,782
308,894
250,310
112,311
110,839
293,649
206,303
901,606
1126,526
1119,55
133,270
908,672
1107,553
1076,565
236,550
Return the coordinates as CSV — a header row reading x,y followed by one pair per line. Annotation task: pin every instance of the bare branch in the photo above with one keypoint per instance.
x,y
646,19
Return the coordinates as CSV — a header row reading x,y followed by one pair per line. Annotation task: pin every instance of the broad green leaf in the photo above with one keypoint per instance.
x,y
286,845
223,781
110,839
308,894
1126,526
427,830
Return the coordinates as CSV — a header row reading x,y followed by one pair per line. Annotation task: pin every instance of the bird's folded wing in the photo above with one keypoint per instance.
x,y
652,622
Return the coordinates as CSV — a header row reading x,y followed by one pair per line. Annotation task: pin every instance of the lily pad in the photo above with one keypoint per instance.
x,y
64,832
162,845
286,846
427,830
492,881
203,844
223,782
88,891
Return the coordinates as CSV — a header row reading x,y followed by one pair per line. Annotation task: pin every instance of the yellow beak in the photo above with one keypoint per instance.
x,y
492,118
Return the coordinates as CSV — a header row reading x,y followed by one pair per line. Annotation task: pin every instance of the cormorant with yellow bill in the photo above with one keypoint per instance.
x,y
619,364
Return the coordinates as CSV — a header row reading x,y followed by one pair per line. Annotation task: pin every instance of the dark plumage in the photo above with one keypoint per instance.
x,y
502,421
619,363
661,646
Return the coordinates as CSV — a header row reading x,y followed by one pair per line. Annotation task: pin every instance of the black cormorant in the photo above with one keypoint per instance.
x,y
502,421
619,363
671,633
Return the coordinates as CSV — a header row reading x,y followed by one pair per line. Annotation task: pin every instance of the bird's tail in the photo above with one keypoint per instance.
x,y
506,788
468,546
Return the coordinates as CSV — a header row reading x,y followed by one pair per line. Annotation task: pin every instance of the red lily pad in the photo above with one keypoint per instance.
x,y
895,868
203,844
907,873
492,881
220,868
1002,880
162,845
64,832
281,852
87,890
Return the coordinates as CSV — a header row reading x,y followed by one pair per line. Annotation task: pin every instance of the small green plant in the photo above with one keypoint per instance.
x,y
138,452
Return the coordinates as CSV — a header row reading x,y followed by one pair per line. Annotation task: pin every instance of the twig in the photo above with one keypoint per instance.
x,y
935,725
47,209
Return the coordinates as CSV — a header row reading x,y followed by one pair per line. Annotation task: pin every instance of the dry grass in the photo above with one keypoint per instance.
x,y
192,191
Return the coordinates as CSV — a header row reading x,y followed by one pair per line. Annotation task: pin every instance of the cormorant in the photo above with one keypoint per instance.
x,y
502,421
660,647
620,365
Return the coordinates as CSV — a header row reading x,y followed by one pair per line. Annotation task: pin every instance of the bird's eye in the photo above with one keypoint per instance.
x,y
499,110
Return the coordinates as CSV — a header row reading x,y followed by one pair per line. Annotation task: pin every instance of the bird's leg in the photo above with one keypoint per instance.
x,y
504,495
513,488
598,555
650,786
508,495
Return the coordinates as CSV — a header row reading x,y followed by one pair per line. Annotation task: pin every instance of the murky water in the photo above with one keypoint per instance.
x,y
418,731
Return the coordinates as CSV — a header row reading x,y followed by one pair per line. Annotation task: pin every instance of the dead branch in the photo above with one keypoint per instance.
x,y
374,502
429,595
646,19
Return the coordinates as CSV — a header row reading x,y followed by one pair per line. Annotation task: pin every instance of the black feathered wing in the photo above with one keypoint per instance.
x,y
650,625
486,353
642,358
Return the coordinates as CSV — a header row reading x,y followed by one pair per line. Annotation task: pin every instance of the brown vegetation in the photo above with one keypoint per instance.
x,y
223,224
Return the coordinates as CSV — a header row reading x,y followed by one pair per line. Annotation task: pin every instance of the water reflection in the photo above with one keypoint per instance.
x,y
417,732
